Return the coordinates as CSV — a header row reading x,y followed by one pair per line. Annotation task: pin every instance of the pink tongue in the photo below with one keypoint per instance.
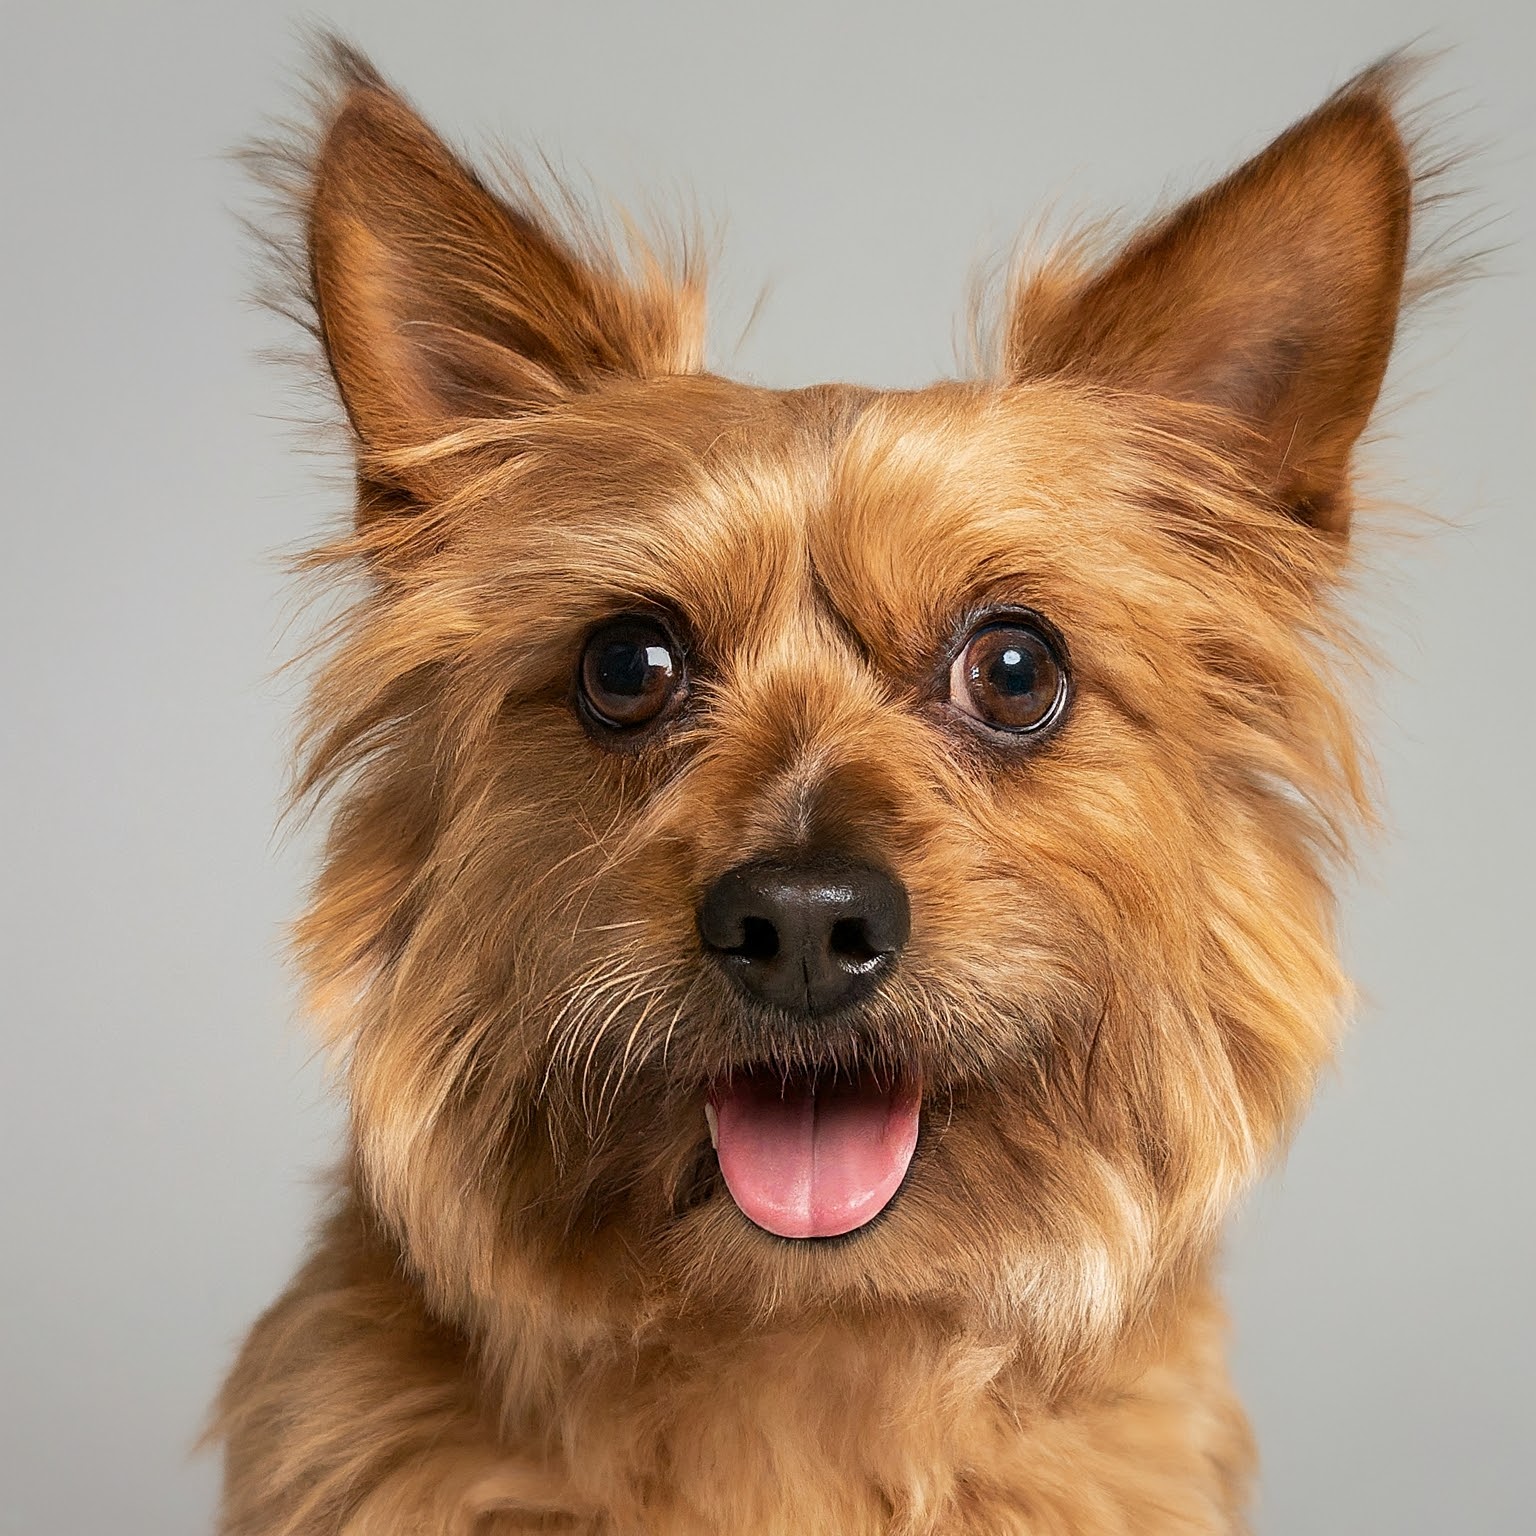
x,y
812,1160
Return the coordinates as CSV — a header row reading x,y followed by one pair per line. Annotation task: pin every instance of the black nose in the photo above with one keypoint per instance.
x,y
807,935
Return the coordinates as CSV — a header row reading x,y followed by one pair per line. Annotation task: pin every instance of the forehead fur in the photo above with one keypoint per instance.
x,y
897,510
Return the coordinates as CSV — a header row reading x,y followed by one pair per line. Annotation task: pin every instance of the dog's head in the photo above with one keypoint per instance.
x,y
830,848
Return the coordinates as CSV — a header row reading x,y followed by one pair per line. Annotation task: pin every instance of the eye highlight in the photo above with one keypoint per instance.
x,y
1011,676
631,673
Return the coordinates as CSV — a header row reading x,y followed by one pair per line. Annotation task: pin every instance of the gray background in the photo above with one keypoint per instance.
x,y
162,1117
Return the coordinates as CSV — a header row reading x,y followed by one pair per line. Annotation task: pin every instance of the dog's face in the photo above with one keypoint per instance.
x,y
832,849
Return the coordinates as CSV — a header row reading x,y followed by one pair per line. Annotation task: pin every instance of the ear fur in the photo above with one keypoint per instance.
x,y
439,300
1273,296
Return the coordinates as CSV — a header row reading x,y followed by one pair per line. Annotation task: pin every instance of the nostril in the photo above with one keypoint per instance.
x,y
850,942
759,939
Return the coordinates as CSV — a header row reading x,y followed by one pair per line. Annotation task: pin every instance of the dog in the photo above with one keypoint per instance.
x,y
827,901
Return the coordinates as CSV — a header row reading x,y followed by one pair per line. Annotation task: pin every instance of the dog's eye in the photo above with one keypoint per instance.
x,y
631,671
1009,675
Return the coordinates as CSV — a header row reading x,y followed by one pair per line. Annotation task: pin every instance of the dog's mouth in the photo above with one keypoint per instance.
x,y
808,1153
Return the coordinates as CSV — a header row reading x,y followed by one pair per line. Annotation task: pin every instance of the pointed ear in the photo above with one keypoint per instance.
x,y
1273,295
439,300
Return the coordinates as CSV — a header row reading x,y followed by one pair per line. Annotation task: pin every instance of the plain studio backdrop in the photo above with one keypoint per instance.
x,y
164,1121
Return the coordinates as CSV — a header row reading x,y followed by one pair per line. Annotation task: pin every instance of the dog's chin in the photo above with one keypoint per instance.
x,y
807,1154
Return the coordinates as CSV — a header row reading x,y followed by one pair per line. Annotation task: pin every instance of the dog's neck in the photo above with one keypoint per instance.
x,y
869,1419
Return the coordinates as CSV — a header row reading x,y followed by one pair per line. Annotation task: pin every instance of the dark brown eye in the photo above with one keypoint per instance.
x,y
1009,675
631,671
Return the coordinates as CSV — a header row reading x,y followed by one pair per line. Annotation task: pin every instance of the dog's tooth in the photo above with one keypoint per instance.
x,y
714,1131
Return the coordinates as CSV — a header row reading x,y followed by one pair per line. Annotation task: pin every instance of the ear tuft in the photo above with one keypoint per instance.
x,y
1273,297
440,299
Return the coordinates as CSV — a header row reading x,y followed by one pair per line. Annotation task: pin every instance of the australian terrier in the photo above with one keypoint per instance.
x,y
827,901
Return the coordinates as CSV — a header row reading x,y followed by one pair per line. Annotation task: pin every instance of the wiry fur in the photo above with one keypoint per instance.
x,y
533,1307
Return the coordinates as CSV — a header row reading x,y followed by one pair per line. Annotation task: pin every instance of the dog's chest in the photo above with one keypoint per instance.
x,y
794,1453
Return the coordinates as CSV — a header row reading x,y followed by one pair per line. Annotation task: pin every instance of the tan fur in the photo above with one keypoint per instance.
x,y
534,1308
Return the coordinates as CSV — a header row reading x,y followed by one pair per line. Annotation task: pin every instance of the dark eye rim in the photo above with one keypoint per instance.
x,y
614,734
1008,616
